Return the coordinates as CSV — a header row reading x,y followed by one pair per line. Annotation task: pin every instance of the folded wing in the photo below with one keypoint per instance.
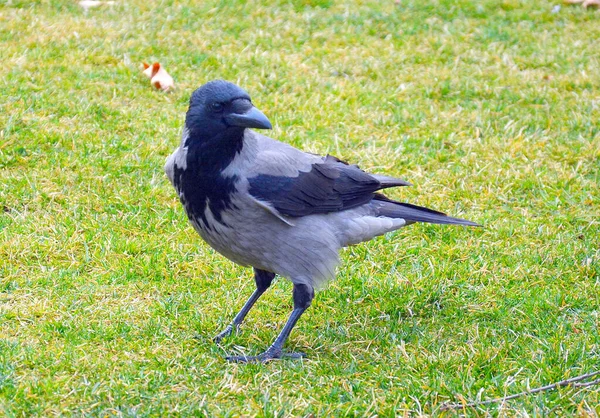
x,y
329,186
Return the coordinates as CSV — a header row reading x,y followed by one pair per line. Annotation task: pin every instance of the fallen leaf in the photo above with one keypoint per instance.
x,y
149,68
591,4
158,76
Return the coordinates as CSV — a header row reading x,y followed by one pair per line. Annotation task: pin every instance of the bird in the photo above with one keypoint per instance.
x,y
267,205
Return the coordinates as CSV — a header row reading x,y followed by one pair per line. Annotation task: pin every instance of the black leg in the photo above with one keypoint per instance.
x,y
263,280
303,296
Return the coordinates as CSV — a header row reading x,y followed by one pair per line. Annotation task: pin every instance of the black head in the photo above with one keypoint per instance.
x,y
220,106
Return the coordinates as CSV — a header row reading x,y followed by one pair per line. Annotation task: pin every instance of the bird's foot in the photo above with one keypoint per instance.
x,y
270,354
225,333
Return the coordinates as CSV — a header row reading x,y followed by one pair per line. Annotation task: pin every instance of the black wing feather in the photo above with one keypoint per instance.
x,y
329,186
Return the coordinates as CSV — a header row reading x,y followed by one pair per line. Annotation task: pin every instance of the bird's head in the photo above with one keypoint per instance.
x,y
220,106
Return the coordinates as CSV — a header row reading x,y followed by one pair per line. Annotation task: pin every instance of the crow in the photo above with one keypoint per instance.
x,y
265,204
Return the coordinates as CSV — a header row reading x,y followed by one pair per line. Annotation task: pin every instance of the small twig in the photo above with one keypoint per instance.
x,y
562,383
586,384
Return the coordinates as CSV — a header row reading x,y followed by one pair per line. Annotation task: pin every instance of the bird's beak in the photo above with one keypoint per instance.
x,y
253,118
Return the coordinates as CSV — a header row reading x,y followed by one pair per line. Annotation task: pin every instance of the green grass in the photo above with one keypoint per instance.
x,y
109,299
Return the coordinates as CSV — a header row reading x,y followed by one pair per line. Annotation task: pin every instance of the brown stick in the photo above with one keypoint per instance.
x,y
562,383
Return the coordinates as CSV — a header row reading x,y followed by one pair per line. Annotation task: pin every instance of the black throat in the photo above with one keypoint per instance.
x,y
202,182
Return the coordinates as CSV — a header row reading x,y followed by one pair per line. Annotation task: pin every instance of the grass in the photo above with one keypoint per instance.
x,y
109,300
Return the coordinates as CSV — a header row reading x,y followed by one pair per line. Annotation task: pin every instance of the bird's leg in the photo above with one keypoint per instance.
x,y
263,280
303,296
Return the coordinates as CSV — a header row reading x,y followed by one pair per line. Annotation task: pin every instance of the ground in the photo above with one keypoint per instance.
x,y
109,299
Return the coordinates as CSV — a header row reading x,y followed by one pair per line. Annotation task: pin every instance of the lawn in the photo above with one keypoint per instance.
x,y
109,299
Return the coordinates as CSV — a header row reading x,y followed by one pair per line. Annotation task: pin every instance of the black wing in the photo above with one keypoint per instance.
x,y
329,186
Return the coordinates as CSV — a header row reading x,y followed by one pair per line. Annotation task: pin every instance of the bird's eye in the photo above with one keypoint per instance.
x,y
216,107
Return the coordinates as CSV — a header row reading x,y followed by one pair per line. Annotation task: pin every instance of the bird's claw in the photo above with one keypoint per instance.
x,y
225,333
270,354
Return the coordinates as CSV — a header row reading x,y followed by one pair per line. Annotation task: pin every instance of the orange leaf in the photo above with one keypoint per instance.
x,y
158,76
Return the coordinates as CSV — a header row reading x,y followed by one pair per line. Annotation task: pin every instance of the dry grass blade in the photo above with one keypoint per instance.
x,y
591,4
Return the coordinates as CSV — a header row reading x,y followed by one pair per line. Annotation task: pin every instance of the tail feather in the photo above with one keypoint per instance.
x,y
413,213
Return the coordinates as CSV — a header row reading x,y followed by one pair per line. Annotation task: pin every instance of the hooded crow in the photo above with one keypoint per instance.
x,y
265,204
